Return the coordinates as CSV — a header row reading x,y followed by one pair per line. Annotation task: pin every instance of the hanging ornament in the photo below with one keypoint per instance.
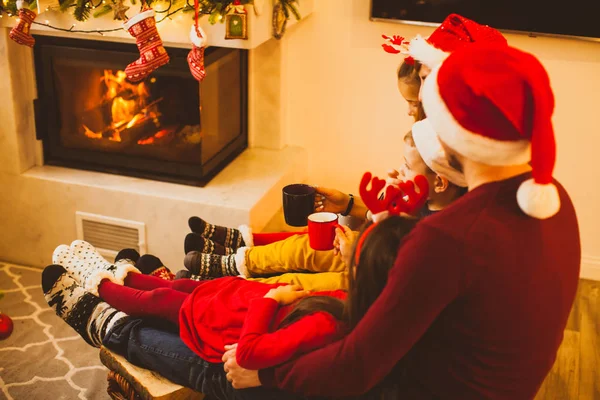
x,y
20,32
195,57
236,22
152,52
279,21
119,10
6,326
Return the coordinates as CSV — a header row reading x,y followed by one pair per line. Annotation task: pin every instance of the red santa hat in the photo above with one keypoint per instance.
x,y
493,105
454,33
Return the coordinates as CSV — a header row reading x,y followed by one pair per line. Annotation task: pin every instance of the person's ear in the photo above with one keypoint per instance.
x,y
440,184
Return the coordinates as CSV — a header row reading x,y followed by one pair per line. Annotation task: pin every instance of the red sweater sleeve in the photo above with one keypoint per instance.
x,y
257,348
426,277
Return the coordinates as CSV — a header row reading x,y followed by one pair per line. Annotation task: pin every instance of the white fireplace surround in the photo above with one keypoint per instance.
x,y
37,212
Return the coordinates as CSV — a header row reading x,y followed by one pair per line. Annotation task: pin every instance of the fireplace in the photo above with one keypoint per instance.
x,y
167,127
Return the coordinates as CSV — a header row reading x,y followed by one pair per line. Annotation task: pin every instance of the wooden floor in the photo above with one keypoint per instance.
x,y
576,373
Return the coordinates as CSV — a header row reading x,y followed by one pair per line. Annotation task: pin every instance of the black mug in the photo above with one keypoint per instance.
x,y
298,204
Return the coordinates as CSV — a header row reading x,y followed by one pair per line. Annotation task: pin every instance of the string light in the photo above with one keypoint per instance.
x,y
47,22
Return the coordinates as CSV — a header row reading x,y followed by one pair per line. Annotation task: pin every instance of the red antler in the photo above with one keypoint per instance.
x,y
397,45
410,200
393,201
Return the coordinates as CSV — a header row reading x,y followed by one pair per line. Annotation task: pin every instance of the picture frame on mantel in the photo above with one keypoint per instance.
x,y
236,26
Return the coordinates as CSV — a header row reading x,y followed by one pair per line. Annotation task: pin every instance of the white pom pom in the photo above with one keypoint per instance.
x,y
422,51
196,40
20,4
538,201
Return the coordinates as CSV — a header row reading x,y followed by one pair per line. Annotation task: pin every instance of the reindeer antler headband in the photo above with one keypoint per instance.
x,y
403,198
397,45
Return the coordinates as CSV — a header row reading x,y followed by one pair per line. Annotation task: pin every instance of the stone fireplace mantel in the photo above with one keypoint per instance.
x,y
40,201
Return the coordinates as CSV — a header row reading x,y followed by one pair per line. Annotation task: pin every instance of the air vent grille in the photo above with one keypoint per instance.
x,y
109,235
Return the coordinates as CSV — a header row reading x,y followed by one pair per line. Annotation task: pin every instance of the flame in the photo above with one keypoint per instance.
x,y
158,135
128,106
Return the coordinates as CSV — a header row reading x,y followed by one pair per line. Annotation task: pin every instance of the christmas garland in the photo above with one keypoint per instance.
x,y
82,10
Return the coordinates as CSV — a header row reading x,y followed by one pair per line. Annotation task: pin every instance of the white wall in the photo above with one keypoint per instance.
x,y
344,107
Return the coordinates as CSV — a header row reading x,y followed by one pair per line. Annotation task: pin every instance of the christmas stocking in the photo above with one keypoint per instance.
x,y
20,33
196,56
152,52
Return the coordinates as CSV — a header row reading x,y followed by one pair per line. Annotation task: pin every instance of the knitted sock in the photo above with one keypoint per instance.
x,y
128,254
210,265
196,242
84,312
88,267
163,303
228,237
151,265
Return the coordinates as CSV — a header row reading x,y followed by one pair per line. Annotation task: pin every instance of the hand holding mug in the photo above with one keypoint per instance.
x,y
345,237
331,200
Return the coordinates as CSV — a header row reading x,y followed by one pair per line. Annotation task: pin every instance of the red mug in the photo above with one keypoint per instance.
x,y
321,230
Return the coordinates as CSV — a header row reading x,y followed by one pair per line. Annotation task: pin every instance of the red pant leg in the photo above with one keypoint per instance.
x,y
161,302
149,282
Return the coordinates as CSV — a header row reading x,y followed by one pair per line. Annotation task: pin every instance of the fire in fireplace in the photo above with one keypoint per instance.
x,y
167,127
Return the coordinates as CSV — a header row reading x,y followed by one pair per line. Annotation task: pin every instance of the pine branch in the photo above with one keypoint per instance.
x,y
82,11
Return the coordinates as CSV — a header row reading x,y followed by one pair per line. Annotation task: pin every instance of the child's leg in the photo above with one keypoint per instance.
x,y
262,239
320,282
160,302
293,254
149,282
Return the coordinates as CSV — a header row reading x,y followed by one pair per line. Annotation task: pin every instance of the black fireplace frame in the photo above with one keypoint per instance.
x,y
47,115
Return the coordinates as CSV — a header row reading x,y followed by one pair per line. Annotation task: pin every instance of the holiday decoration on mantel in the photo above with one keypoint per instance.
x,y
152,52
236,22
20,32
281,14
6,324
195,57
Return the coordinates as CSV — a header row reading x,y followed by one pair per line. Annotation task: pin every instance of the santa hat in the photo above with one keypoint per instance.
x,y
493,104
429,147
454,33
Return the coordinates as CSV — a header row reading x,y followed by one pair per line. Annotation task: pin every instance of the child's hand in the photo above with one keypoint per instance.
x,y
288,294
344,240
393,178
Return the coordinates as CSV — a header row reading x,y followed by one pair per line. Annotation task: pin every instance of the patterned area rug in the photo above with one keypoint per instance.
x,y
43,358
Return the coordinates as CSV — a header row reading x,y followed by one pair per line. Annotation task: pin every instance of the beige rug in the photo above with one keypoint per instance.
x,y
43,358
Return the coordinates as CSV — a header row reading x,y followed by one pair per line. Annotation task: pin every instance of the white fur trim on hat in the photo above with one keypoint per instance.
x,y
471,145
196,40
246,232
137,18
539,201
421,50
240,261
429,147
20,4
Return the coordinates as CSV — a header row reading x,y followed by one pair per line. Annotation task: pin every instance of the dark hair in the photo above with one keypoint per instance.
x,y
409,73
377,256
312,304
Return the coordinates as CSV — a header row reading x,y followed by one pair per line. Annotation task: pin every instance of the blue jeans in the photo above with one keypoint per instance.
x,y
158,347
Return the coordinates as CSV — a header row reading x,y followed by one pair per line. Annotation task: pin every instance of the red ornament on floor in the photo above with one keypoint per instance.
x,y
6,326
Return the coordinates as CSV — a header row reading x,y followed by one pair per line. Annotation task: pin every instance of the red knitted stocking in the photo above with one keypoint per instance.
x,y
152,52
20,33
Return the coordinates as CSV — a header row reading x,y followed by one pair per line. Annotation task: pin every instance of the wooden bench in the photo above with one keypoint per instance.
x,y
126,381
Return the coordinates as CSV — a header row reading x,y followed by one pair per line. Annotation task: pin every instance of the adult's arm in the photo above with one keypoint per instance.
x,y
425,278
